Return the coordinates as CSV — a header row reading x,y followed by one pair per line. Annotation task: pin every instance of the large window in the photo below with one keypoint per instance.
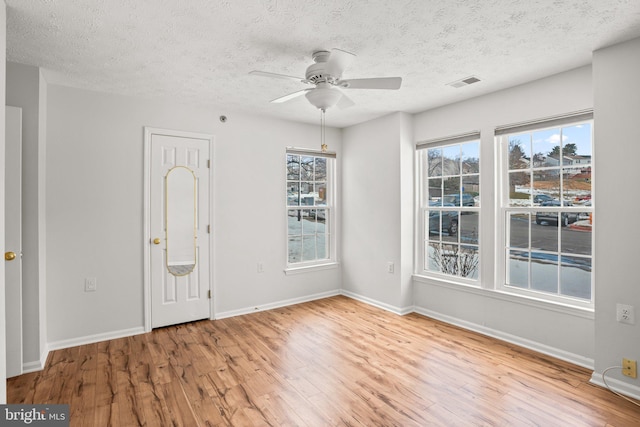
x,y
449,172
310,207
547,209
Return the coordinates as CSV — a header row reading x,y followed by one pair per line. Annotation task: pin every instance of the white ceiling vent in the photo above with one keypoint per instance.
x,y
464,82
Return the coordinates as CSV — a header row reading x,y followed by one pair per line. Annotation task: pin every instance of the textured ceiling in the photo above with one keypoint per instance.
x,y
201,51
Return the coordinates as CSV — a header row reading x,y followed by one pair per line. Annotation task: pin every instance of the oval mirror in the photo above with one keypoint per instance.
x,y
180,210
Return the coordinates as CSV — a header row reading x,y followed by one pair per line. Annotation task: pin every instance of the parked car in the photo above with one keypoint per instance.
x,y
552,217
454,199
541,198
449,223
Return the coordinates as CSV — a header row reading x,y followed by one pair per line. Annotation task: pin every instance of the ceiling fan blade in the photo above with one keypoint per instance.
x,y
392,83
338,60
345,102
276,76
290,96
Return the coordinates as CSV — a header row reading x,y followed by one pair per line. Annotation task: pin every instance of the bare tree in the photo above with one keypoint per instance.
x,y
455,260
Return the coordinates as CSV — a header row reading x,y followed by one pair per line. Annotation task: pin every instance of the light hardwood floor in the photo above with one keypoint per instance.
x,y
334,361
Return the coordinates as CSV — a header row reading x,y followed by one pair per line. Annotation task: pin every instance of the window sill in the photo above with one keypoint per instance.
x,y
310,268
586,313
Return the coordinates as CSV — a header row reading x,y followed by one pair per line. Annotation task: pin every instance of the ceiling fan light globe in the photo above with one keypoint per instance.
x,y
323,97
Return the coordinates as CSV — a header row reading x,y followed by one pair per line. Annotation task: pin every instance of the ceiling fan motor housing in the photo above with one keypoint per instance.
x,y
316,72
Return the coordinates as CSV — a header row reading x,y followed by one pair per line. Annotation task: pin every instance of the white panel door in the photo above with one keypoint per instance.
x,y
13,239
184,296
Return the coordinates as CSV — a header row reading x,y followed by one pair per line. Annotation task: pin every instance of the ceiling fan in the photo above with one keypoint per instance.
x,y
325,74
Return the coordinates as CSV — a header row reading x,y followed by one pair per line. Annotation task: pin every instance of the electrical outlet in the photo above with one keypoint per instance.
x,y
625,314
630,368
260,267
90,284
390,267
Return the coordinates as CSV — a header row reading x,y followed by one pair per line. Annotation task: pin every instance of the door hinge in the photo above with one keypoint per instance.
x,y
208,229
209,293
209,163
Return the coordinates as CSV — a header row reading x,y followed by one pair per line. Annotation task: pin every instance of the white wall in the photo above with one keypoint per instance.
x,y
539,326
377,208
95,210
617,112
24,90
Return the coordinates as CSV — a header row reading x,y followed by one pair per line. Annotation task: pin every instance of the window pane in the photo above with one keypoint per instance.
x,y
519,151
294,217
321,246
295,248
451,191
544,233
293,194
433,224
308,248
469,227
519,189
469,261
432,251
547,143
434,162
293,167
471,157
577,239
470,190
309,222
450,222
518,273
435,192
519,230
577,185
578,142
547,181
320,194
321,215
544,272
448,259
451,160
306,168
320,169
575,276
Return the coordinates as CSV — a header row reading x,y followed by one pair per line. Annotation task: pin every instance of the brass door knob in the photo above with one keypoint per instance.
x,y
156,241
9,256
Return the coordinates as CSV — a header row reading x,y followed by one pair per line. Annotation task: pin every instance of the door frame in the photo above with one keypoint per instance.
x,y
148,133
13,292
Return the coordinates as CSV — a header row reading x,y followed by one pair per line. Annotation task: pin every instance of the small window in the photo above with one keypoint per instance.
x,y
450,207
310,207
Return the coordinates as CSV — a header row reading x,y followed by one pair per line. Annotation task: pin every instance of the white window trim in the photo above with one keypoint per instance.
x,y
502,208
331,208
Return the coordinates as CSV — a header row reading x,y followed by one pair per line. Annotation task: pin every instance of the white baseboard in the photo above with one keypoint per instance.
x,y
388,307
513,339
36,365
277,304
90,339
617,385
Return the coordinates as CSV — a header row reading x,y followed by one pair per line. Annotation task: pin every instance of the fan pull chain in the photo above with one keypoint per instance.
x,y
323,144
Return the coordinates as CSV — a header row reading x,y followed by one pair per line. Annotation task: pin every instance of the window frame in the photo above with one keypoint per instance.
x,y
423,208
329,207
504,210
